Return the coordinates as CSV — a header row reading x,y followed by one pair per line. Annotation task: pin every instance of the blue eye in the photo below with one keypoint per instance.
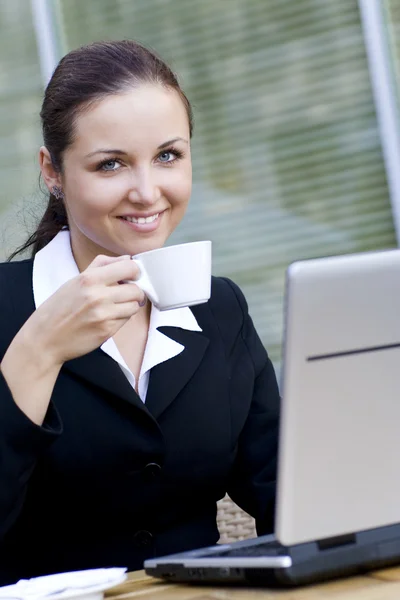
x,y
110,165
167,156
170,156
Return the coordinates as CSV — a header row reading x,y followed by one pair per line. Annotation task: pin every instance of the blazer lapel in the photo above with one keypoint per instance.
x,y
102,371
167,379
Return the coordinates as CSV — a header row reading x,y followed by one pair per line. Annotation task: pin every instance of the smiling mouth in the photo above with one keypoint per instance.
x,y
141,220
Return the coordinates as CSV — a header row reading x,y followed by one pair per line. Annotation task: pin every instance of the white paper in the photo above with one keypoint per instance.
x,y
60,583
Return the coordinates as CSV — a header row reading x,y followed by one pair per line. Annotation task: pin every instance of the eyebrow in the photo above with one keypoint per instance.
x,y
166,144
119,152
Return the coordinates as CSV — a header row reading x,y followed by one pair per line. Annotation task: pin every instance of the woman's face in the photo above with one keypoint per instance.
x,y
127,175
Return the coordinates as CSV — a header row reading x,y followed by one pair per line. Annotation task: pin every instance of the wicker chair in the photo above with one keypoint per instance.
x,y
233,523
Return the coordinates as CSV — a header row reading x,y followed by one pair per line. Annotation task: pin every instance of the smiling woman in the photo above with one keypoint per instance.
x,y
121,426
127,174
108,142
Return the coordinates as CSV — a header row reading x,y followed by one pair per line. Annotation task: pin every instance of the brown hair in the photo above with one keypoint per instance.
x,y
83,76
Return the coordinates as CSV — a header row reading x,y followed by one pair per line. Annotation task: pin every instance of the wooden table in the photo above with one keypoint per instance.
x,y
377,585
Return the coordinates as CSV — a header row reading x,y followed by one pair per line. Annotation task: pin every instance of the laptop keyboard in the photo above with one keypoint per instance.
x,y
267,549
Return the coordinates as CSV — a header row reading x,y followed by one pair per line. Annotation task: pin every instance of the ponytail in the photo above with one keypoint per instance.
x,y
53,220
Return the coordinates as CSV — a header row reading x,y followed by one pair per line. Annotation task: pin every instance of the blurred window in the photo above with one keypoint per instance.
x,y
392,14
286,152
20,97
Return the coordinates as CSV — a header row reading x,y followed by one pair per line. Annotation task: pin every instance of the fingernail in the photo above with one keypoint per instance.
x,y
143,302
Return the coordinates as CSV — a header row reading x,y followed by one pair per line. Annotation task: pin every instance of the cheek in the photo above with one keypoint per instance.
x,y
92,195
184,192
180,188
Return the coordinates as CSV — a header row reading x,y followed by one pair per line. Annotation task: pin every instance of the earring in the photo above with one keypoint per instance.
x,y
57,192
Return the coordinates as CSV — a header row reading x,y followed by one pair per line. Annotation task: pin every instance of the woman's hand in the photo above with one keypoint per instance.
x,y
88,309
78,318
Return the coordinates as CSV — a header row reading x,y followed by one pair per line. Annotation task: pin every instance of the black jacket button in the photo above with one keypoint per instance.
x,y
143,538
152,470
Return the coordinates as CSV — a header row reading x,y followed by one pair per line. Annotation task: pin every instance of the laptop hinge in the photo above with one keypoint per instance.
x,y
338,540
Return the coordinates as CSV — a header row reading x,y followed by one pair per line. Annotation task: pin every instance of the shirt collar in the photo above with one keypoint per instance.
x,y
54,265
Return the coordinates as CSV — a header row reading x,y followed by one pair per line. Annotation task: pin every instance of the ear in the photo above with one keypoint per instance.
x,y
50,176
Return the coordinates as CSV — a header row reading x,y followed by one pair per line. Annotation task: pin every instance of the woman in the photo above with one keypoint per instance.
x,y
120,426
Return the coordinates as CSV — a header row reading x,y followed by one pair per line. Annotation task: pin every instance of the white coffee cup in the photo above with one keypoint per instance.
x,y
176,276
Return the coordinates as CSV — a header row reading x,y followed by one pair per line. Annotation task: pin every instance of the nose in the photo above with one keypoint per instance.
x,y
144,188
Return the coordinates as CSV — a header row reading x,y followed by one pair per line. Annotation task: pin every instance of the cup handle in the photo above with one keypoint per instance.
x,y
144,282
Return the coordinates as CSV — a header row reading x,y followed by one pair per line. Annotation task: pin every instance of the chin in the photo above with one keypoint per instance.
x,y
144,246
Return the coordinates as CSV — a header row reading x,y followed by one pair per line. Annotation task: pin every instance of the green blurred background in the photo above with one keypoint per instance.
x,y
288,160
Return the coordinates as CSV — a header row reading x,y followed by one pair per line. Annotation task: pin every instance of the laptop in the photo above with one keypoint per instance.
x,y
338,484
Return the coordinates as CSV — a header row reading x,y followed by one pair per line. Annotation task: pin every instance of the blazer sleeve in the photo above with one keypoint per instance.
x,y
21,440
253,479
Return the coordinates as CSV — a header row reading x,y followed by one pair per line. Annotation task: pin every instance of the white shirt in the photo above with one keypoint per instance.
x,y
54,265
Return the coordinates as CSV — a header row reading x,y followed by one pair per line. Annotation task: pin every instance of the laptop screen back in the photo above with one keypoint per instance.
x,y
339,456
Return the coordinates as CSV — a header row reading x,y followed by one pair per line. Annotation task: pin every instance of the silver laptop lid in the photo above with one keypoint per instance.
x,y
339,462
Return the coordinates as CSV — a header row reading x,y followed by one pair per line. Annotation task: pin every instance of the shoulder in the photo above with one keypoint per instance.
x,y
227,300
226,311
16,297
13,271
15,279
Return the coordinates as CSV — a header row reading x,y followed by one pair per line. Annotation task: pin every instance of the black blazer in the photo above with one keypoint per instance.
x,y
110,481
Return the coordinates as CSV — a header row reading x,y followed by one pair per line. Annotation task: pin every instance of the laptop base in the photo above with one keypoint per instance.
x,y
301,564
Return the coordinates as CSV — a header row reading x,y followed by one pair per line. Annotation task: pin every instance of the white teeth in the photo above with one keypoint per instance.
x,y
142,220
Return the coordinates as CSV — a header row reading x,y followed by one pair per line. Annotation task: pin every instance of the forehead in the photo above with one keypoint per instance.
x,y
147,114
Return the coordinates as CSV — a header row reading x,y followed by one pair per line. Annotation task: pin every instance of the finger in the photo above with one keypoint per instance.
x,y
101,260
125,310
113,272
128,292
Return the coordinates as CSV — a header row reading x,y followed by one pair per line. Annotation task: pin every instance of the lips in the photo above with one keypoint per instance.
x,y
143,223
141,220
